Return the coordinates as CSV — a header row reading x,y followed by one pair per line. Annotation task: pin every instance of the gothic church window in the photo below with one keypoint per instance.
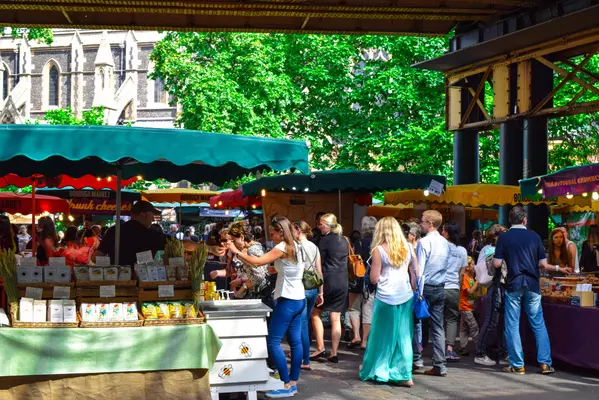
x,y
5,87
160,95
53,83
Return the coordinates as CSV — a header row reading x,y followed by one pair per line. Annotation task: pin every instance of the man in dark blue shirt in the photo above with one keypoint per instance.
x,y
523,253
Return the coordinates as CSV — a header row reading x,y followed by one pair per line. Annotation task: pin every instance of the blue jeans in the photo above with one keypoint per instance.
x,y
534,310
310,302
417,337
435,297
287,319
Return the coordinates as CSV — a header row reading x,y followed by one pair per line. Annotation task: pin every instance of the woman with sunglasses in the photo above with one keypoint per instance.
x,y
289,261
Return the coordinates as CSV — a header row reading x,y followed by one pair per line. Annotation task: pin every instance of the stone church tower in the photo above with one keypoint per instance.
x,y
82,69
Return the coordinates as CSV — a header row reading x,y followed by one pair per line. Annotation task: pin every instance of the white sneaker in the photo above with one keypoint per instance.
x,y
486,361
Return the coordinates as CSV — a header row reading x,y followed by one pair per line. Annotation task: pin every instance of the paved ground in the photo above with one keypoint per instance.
x,y
465,380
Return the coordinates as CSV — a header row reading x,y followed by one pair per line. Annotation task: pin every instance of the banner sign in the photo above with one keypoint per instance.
x,y
97,206
196,198
207,212
572,181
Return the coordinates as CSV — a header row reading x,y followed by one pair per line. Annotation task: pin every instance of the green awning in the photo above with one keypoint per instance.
x,y
172,154
341,180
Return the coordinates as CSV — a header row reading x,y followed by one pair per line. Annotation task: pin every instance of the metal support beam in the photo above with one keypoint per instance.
x,y
476,96
465,157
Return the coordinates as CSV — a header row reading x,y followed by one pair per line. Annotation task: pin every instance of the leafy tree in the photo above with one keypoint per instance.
x,y
41,35
65,116
356,100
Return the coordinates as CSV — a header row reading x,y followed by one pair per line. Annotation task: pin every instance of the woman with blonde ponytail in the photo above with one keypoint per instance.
x,y
388,356
333,253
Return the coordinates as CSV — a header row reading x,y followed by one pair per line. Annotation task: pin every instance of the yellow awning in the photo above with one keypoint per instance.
x,y
477,195
179,195
405,212
564,209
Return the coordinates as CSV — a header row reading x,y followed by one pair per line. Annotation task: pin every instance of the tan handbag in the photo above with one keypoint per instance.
x,y
355,264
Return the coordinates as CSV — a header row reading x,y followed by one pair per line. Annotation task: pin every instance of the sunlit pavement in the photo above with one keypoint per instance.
x,y
465,380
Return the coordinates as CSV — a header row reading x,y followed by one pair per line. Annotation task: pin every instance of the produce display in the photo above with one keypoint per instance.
x,y
110,273
169,310
48,274
47,311
108,312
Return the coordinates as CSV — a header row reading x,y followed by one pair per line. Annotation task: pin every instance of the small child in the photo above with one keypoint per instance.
x,y
468,325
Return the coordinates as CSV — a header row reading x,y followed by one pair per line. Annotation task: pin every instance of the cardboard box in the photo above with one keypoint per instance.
x,y
50,274
142,272
55,311
88,312
587,299
116,312
124,273
130,311
36,274
96,274
69,311
23,274
63,274
39,310
111,273
82,273
26,310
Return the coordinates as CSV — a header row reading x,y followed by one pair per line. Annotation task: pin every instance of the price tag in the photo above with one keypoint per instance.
x,y
33,293
176,262
435,188
145,257
57,262
166,291
62,292
102,261
28,262
107,291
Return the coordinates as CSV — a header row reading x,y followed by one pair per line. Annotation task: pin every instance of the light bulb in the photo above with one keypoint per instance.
x,y
139,178
540,191
306,190
109,178
569,196
263,193
71,218
585,195
595,196
426,193
60,217
293,188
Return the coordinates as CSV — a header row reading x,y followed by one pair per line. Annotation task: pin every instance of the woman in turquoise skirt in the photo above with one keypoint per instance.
x,y
388,356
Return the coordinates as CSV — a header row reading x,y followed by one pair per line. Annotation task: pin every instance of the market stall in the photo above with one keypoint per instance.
x,y
94,202
181,196
457,200
404,212
569,303
344,193
127,153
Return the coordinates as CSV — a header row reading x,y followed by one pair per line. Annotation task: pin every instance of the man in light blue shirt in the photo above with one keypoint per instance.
x,y
433,253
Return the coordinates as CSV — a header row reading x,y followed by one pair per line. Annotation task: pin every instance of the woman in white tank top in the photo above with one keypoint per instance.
x,y
388,356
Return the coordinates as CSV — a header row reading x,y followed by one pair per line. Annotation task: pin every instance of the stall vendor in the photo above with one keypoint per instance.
x,y
559,254
137,237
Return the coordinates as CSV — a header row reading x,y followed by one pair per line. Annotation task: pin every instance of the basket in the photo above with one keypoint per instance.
x,y
130,283
44,285
115,324
154,285
20,324
169,322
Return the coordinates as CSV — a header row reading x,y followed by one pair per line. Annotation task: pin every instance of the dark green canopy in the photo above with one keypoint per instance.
x,y
153,153
341,180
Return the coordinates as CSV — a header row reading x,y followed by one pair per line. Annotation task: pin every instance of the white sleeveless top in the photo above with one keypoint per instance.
x,y
394,286
576,261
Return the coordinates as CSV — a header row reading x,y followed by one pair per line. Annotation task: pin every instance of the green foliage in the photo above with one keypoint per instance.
x,y
356,108
356,100
40,35
145,185
66,116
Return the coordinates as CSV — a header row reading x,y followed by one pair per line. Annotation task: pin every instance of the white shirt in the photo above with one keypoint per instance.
x,y
458,259
394,286
312,253
289,275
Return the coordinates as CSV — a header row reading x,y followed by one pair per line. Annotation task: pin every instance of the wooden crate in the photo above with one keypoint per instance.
x,y
47,289
89,291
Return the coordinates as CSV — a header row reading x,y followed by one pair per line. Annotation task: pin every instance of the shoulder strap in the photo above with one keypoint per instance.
x,y
349,246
